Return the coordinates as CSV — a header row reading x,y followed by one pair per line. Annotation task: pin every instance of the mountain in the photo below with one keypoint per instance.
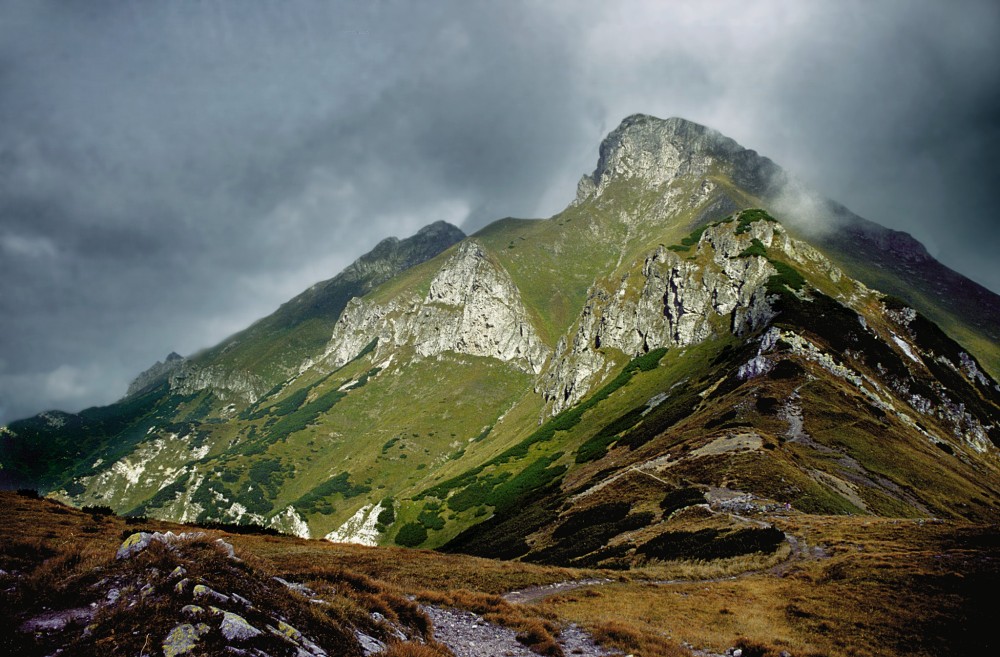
x,y
623,383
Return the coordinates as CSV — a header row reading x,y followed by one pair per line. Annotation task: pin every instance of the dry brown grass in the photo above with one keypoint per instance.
x,y
888,587
638,641
883,587
414,650
407,568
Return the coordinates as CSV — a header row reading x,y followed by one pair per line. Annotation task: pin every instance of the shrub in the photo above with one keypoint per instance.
x,y
680,499
411,534
756,248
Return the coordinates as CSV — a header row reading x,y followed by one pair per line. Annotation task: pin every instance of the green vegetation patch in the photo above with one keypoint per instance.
x,y
562,422
712,543
787,277
317,500
756,248
306,415
751,216
411,534
681,498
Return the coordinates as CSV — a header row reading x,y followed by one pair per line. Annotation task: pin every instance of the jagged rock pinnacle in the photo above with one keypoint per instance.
x,y
660,150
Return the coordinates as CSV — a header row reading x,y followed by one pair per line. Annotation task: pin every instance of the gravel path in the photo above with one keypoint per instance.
x,y
536,593
468,635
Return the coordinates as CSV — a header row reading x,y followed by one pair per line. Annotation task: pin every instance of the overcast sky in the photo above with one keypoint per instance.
x,y
171,171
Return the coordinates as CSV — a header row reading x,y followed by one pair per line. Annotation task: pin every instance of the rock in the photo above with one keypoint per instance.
x,y
155,374
192,610
673,302
182,639
139,541
295,586
202,591
226,547
236,628
134,544
369,644
472,307
241,600
177,572
288,521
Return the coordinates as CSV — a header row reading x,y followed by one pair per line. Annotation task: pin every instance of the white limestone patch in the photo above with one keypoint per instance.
x,y
905,346
289,521
361,528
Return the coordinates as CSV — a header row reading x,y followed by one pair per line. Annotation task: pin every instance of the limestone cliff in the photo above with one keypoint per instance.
x,y
472,307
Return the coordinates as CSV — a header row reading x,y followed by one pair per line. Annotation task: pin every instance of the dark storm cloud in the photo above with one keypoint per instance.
x,y
171,171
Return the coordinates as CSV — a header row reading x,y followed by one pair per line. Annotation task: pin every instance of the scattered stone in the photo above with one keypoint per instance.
x,y
139,541
113,595
200,590
177,572
192,610
227,547
55,621
146,590
181,585
134,544
575,641
298,588
236,628
241,600
182,639
369,644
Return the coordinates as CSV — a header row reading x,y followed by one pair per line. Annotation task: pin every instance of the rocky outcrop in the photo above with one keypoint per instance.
x,y
472,307
227,384
672,301
156,374
659,151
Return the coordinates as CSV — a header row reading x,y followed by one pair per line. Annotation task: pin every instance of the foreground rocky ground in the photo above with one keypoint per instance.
x,y
87,583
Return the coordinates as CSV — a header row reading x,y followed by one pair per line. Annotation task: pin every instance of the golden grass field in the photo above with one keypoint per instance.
x,y
858,586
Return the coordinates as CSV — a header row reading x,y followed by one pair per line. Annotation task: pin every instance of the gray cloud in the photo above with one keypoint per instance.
x,y
171,171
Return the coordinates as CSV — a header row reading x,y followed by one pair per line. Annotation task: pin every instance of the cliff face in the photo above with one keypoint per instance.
x,y
658,151
671,301
472,307
156,374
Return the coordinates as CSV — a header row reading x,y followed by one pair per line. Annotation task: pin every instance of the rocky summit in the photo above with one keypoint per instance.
x,y
604,388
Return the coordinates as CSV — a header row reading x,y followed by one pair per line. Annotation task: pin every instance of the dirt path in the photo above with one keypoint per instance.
x,y
536,593
469,635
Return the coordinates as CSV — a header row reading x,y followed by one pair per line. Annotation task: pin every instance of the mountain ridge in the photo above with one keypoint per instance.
x,y
642,332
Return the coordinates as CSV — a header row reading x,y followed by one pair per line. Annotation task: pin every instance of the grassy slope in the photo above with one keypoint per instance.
x,y
860,586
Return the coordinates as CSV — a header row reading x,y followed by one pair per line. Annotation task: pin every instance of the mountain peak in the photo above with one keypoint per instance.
x,y
658,151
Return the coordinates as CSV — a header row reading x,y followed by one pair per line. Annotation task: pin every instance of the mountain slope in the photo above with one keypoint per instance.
x,y
655,348
44,450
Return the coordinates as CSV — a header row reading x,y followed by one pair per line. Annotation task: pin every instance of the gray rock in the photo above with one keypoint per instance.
x,y
236,628
202,591
672,303
369,644
134,544
472,307
226,547
183,639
